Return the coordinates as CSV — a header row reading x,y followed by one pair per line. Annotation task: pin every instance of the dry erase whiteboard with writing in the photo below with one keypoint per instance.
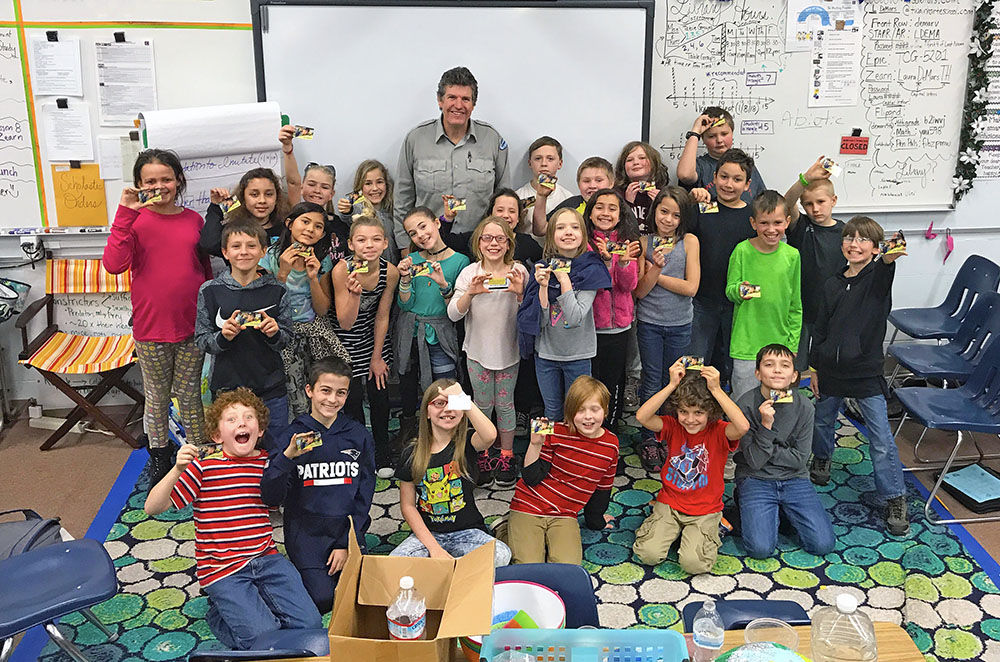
x,y
913,66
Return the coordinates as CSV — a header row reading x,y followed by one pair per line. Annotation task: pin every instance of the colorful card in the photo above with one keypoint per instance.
x,y
693,362
206,450
460,402
662,243
751,291
455,204
497,284
542,426
304,132
708,207
306,441
229,204
831,167
646,187
719,121
302,250
897,244
355,266
249,319
528,202
548,181
781,395
560,264
422,269
149,195
618,247
355,197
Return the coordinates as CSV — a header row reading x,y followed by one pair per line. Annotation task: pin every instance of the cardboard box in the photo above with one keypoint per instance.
x,y
458,593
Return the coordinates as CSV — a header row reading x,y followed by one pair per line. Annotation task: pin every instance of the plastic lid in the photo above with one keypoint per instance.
x,y
708,605
847,603
406,583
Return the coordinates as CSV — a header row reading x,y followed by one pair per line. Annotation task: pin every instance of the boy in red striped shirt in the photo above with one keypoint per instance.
x,y
251,588
570,470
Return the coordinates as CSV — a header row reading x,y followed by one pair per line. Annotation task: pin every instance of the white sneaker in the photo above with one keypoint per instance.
x,y
386,473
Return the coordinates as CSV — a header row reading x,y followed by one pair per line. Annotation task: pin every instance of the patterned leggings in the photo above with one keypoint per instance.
x,y
171,367
311,341
495,388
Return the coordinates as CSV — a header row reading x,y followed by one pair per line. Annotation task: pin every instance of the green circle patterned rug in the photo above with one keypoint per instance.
x,y
927,582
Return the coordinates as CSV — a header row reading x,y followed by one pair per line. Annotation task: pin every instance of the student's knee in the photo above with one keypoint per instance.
x,y
647,553
758,549
819,543
697,563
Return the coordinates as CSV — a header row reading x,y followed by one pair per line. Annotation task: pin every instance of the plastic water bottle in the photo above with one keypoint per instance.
x,y
842,633
407,614
709,632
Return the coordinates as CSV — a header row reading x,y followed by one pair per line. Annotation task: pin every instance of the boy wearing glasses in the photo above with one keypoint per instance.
x,y
848,361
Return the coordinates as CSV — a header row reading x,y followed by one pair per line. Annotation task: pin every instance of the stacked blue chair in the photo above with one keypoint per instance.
x,y
736,614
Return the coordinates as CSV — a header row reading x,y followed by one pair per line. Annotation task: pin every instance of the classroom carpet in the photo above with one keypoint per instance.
x,y
927,581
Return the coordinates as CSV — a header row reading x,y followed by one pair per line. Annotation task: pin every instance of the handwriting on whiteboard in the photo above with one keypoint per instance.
x,y
18,188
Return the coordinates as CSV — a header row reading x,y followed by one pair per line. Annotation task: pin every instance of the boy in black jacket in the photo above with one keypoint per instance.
x,y
848,362
244,319
322,485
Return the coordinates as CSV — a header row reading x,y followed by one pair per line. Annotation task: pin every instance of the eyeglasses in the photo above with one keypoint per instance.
x,y
440,403
847,241
490,238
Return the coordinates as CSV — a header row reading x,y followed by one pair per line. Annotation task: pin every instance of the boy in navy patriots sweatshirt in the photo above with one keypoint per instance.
x,y
321,485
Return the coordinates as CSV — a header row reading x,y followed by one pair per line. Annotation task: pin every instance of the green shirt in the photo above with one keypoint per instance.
x,y
425,298
775,317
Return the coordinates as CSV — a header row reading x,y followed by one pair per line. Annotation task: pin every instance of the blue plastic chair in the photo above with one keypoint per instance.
x,y
737,613
975,407
570,581
45,584
276,645
977,275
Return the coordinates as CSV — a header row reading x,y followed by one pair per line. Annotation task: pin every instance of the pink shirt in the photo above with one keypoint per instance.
x,y
167,270
615,308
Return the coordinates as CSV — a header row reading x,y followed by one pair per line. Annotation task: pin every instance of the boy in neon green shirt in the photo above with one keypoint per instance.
x,y
763,282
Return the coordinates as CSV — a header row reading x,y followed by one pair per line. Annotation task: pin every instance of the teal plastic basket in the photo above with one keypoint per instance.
x,y
588,645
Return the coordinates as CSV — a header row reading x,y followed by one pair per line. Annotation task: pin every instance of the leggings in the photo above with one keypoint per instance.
x,y
171,368
495,388
378,405
311,341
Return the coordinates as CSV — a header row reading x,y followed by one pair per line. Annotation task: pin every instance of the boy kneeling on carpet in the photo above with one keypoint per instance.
x,y
251,588
698,441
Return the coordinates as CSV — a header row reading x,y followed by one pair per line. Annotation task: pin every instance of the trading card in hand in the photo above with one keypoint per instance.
x,y
422,269
718,121
646,187
831,167
708,207
751,291
455,204
149,195
460,402
249,319
548,181
693,362
781,395
229,204
528,202
306,441
302,250
542,426
618,247
497,283
355,266
304,132
206,450
355,197
560,264
897,244
662,243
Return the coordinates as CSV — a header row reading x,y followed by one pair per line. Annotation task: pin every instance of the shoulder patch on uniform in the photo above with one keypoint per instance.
x,y
503,144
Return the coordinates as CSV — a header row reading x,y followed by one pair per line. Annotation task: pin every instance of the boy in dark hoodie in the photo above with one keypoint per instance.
x,y
244,319
848,362
322,485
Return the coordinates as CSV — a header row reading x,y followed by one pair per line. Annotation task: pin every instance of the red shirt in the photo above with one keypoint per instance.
x,y
231,526
580,467
692,476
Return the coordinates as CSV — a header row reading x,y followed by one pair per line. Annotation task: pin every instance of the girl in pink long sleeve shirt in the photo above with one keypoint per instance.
x,y
158,240
614,235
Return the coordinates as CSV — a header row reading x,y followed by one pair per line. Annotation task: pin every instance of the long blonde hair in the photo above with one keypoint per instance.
x,y
425,436
477,234
364,168
550,249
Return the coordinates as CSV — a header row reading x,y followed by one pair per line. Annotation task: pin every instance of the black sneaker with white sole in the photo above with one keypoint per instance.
x,y
897,520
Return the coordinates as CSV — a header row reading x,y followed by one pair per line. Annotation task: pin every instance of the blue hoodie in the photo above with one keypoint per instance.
x,y
321,488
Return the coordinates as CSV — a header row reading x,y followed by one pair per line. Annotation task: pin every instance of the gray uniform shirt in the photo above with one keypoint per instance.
x,y
430,166
782,452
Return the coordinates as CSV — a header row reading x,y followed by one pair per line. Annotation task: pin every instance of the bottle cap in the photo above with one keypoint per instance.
x,y
406,583
847,603
708,605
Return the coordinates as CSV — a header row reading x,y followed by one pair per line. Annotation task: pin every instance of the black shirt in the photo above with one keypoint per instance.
x,y
445,500
822,257
719,233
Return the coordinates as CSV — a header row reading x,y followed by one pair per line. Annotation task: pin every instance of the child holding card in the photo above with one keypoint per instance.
x,y
764,284
158,241
372,194
487,294
364,288
504,204
615,237
715,127
772,464
325,474
545,160
300,260
594,173
437,478
260,199
670,275
697,442
569,470
639,175
555,321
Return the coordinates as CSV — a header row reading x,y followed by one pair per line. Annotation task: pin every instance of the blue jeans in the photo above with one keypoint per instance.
x,y
456,543
442,365
554,379
659,347
760,501
881,446
711,332
277,409
265,595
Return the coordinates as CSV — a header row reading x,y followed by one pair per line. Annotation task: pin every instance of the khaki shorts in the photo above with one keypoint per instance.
x,y
699,536
530,536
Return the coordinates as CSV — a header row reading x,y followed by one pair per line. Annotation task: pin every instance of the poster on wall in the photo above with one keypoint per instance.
x,y
126,81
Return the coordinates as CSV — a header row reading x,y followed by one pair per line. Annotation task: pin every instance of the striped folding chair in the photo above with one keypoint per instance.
x,y
54,353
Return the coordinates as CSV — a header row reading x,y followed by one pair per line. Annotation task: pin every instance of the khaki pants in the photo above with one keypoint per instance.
x,y
699,538
530,535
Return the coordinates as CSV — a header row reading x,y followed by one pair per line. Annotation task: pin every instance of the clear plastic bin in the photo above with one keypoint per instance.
x,y
589,645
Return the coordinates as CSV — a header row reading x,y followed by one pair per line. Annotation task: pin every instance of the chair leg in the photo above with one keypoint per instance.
x,y
899,427
88,405
8,646
65,644
937,486
895,373
99,624
935,462
894,332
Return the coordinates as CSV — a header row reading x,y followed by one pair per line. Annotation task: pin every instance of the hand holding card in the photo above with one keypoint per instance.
x,y
304,132
306,441
781,396
693,362
461,402
542,426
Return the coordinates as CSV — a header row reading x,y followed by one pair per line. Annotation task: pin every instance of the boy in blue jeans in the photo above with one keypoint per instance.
x,y
251,588
848,362
772,474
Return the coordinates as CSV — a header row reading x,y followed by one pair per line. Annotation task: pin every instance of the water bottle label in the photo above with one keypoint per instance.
x,y
408,631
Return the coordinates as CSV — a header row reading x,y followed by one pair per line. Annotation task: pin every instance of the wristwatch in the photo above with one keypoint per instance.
x,y
692,134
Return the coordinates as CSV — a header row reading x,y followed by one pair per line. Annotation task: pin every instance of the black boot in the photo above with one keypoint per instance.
x,y
160,462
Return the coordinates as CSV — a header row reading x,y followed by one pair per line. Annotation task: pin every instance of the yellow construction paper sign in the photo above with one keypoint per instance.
x,y
79,194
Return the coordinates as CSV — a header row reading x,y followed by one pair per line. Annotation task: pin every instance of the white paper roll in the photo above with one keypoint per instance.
x,y
214,130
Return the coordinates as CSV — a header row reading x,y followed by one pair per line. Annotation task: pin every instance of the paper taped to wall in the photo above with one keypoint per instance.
x,y
214,130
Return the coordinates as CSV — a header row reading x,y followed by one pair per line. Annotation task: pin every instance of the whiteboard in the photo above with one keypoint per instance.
x,y
363,76
913,67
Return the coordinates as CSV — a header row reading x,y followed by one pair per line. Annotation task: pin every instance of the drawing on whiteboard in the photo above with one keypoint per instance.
x,y
805,17
712,33
18,184
717,89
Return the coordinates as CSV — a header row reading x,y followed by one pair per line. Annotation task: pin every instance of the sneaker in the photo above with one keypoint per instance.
x,y
386,473
819,470
729,472
485,463
521,428
649,456
161,460
505,470
631,395
498,528
896,519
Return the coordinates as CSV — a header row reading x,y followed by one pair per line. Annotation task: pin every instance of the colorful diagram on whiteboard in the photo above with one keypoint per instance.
x,y
804,17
